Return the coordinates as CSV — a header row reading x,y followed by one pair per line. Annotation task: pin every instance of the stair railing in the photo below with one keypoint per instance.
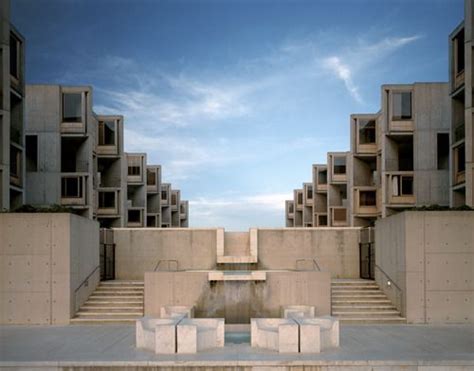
x,y
84,283
168,262
391,283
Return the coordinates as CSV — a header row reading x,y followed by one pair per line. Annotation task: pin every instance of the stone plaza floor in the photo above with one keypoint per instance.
x,y
451,347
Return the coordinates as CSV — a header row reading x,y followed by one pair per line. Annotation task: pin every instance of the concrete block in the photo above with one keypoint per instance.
x,y
199,334
156,334
310,338
329,331
276,334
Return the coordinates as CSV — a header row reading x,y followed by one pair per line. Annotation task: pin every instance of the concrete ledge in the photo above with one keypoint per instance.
x,y
173,311
237,276
290,311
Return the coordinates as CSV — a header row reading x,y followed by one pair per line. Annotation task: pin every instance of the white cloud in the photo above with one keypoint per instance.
x,y
236,210
343,72
358,59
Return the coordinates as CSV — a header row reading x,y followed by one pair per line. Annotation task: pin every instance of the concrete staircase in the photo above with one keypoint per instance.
x,y
362,302
113,302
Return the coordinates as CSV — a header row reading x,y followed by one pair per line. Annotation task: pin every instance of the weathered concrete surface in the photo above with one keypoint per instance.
x,y
237,302
334,249
383,347
140,250
428,257
44,258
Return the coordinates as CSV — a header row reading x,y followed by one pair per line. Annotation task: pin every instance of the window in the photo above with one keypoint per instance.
x,y
31,142
183,209
366,131
151,221
339,215
133,170
150,177
443,151
72,107
461,158
164,195
134,216
459,52
402,185
71,187
339,165
15,49
367,198
407,186
291,208
401,106
322,220
322,177
300,198
174,199
309,193
15,162
106,200
106,133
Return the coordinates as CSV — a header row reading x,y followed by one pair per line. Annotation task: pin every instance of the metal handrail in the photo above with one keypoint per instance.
x,y
87,278
168,261
315,263
390,278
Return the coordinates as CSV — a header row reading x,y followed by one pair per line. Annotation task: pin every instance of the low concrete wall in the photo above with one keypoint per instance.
x,y
428,257
237,301
334,249
44,258
138,250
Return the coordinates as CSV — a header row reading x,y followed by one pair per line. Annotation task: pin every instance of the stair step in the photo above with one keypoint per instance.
x,y
119,282
109,314
106,303
363,307
369,314
87,308
111,297
118,292
100,320
381,320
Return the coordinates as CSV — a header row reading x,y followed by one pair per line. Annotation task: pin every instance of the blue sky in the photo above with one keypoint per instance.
x,y
236,99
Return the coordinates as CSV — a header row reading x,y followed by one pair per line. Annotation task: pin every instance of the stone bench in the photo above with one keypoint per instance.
x,y
157,334
277,334
318,333
199,334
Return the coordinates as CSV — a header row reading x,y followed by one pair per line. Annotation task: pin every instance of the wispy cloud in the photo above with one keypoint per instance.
x,y
359,58
344,73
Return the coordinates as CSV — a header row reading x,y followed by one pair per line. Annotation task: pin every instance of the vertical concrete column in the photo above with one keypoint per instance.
x,y
254,243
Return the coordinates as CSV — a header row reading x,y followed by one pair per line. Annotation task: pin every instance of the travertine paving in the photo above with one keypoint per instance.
x,y
115,345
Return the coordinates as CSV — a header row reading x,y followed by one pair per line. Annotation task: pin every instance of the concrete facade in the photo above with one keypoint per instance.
x,y
461,77
50,271
62,127
136,189
12,93
424,264
329,249
236,301
111,166
399,159
153,189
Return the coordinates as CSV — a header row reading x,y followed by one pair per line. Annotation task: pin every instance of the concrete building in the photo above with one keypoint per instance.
x,y
308,198
184,213
461,77
415,146
60,137
136,189
320,198
364,170
175,208
153,189
337,189
165,205
12,93
290,213
112,183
